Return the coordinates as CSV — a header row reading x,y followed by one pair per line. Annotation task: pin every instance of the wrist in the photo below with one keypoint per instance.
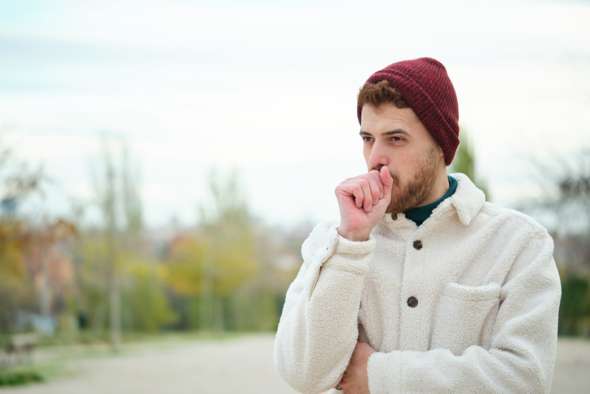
x,y
352,235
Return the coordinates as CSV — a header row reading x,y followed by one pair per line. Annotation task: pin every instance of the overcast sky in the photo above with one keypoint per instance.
x,y
270,88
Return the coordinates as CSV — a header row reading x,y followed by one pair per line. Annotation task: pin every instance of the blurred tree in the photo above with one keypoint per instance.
x,y
118,196
146,307
116,270
131,201
564,197
16,290
18,182
184,265
574,310
183,271
465,162
26,248
44,256
564,184
108,196
90,254
229,259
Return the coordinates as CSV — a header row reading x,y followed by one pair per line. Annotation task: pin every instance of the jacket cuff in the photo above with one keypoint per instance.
x,y
344,254
347,246
384,372
338,253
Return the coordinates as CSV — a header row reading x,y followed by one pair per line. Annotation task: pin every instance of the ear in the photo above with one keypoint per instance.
x,y
441,154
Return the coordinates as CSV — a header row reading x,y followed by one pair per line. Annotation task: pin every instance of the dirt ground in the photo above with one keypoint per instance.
x,y
241,365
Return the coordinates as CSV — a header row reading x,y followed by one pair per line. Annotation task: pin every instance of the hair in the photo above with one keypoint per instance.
x,y
379,93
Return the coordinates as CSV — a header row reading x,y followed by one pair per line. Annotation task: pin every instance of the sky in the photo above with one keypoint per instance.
x,y
269,88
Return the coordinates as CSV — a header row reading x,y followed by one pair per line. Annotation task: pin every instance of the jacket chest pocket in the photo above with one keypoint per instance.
x,y
464,316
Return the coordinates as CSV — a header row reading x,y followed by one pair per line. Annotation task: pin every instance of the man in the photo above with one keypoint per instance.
x,y
422,286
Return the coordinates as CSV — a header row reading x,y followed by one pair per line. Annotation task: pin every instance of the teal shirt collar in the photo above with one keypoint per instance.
x,y
420,214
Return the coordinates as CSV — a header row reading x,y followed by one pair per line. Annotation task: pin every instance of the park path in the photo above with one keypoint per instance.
x,y
239,365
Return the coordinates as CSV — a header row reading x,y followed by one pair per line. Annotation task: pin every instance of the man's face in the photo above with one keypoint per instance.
x,y
395,137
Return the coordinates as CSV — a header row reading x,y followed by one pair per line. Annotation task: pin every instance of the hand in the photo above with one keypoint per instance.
x,y
363,200
356,376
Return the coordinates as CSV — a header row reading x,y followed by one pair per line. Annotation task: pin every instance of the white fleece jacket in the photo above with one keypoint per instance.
x,y
468,302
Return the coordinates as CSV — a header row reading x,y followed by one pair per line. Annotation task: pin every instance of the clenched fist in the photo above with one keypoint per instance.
x,y
355,379
363,200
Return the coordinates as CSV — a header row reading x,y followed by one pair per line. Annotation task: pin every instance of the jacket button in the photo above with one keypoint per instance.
x,y
418,244
412,301
394,216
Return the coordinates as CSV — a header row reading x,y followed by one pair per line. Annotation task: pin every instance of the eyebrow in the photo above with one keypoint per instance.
x,y
386,133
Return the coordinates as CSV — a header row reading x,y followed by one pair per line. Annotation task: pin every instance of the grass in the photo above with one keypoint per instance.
x,y
37,372
20,375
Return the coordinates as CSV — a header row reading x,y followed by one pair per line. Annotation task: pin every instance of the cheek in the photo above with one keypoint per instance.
x,y
400,172
403,180
407,168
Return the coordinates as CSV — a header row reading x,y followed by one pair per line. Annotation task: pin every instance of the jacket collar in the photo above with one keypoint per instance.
x,y
467,201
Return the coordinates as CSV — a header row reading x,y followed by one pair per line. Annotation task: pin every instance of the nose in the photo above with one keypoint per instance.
x,y
377,159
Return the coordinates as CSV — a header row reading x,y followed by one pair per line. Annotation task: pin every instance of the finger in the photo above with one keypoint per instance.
x,y
367,198
376,186
353,190
358,196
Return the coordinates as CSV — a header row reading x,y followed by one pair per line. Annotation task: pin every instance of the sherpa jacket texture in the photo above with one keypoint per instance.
x,y
487,290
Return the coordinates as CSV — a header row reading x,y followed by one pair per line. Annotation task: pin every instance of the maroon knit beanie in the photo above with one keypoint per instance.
x,y
426,87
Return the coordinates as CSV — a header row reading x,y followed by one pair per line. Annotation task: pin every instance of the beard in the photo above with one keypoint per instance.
x,y
417,189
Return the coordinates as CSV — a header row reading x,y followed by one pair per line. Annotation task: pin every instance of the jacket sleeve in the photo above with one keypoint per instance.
x,y
317,330
523,348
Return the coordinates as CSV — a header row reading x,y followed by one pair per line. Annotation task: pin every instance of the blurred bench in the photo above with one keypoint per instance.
x,y
19,348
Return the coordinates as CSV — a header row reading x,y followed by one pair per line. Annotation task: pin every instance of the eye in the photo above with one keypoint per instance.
x,y
366,139
395,139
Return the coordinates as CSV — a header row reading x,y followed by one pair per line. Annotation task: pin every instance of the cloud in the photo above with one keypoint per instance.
x,y
270,88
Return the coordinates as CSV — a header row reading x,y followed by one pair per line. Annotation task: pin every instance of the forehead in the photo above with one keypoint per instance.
x,y
386,117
